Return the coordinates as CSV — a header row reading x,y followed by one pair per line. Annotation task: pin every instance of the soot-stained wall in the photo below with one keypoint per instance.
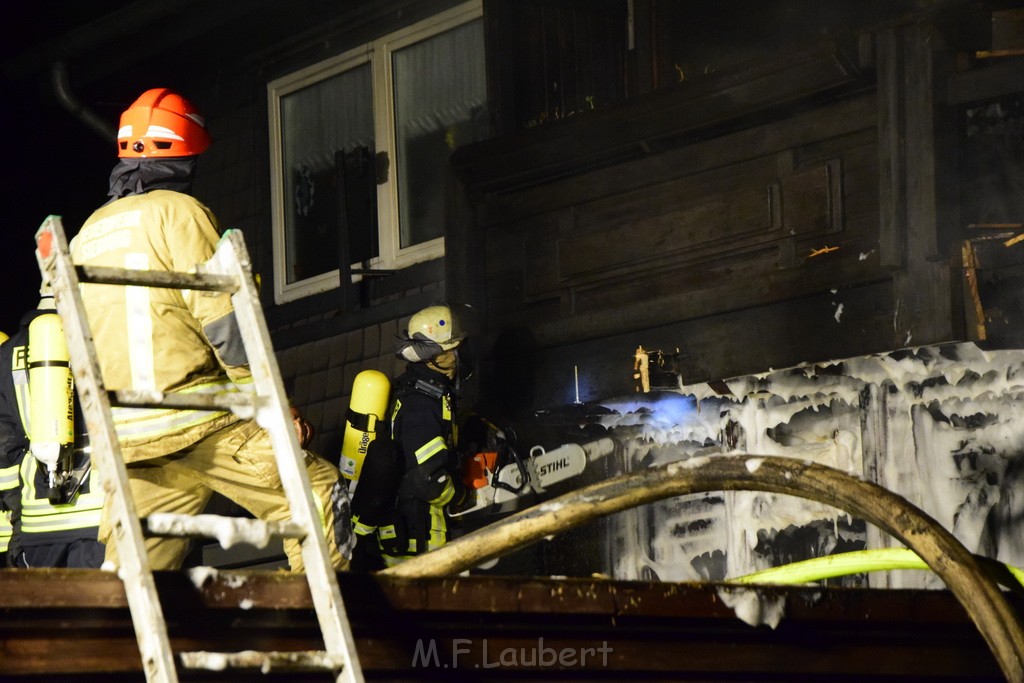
x,y
939,425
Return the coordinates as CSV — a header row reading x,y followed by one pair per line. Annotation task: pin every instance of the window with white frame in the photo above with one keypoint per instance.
x,y
360,148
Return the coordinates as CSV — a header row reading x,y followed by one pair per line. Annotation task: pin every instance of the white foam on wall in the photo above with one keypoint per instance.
x,y
942,426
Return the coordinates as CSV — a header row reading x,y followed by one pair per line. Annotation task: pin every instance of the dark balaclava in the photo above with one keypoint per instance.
x,y
138,176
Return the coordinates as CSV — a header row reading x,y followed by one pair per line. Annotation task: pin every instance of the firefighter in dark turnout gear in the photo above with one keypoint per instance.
x,y
60,533
410,483
6,530
8,483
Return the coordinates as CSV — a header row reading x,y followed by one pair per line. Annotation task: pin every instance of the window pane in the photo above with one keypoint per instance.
x,y
321,126
440,100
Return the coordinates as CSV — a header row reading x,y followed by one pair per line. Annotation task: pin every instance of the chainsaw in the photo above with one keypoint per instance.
x,y
502,478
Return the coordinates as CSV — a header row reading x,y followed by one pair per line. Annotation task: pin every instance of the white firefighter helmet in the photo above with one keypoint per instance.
x,y
437,324
431,332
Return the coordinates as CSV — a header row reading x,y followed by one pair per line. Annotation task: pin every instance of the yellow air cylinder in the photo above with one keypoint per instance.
x,y
366,408
51,390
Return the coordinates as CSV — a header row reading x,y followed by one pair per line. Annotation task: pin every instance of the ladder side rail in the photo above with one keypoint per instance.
x,y
272,415
56,267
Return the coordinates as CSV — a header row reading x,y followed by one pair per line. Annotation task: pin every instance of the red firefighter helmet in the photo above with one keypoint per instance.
x,y
161,123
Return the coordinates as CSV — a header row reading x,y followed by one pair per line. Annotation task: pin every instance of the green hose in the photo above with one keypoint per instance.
x,y
862,561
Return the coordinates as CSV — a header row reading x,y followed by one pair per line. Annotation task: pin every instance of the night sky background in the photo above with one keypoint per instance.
x,y
53,163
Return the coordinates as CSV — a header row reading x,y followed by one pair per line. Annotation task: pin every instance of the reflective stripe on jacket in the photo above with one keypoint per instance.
x,y
8,478
45,523
5,531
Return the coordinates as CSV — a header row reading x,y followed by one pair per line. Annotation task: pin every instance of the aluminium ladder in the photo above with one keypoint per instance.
x,y
229,270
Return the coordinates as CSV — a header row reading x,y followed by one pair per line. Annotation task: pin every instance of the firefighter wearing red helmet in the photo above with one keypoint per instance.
x,y
177,341
161,123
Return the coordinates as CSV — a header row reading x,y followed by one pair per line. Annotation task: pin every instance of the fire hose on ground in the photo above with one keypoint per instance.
x,y
958,568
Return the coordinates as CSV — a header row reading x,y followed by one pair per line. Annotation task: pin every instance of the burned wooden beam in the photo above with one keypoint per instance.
x,y
972,304
76,623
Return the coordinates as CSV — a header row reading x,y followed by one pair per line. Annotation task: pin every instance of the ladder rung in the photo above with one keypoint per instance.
x,y
206,282
266,662
240,403
227,530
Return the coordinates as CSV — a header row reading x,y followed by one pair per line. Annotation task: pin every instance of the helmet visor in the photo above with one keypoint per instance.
x,y
465,323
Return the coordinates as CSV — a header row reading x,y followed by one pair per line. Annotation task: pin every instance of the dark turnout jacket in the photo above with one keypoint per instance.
x,y
412,492
35,520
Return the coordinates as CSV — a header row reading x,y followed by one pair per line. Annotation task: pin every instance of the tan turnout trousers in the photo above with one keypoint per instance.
x,y
237,462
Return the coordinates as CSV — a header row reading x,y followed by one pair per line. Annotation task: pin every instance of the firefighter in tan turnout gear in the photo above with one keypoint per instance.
x,y
180,341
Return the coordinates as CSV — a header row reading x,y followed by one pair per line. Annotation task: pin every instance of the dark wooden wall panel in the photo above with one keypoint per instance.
x,y
697,38
541,266
661,122
741,280
670,223
860,178
751,213
830,121
688,239
858,144
504,256
812,199
744,341
688,186
563,58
